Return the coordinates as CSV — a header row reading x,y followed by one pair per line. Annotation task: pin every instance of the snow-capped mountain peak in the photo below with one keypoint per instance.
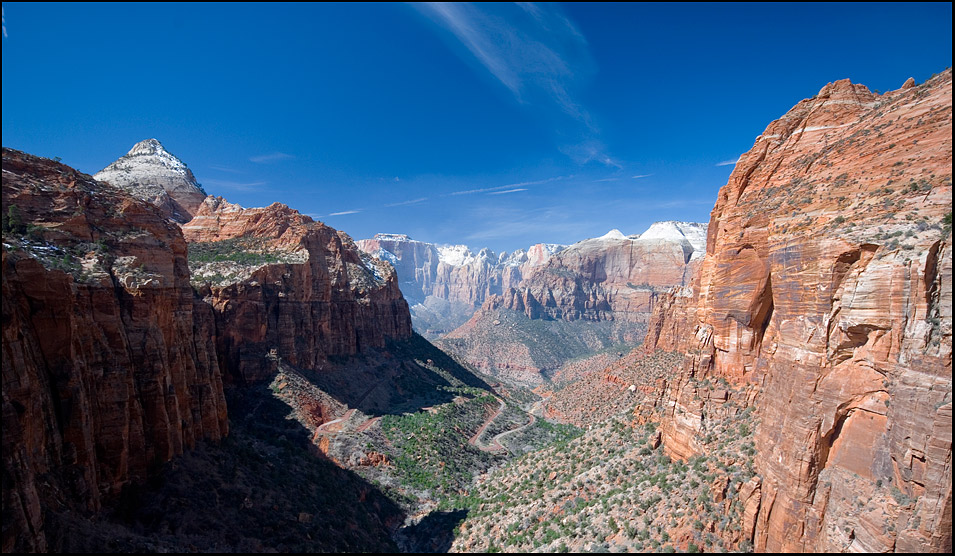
x,y
153,174
691,234
455,255
613,234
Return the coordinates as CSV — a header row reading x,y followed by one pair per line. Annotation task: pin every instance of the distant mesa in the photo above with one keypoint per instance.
x,y
151,173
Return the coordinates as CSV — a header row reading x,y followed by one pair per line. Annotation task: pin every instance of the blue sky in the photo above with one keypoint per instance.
x,y
493,125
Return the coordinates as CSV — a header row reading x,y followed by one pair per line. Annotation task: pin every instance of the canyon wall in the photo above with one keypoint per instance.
x,y
285,286
108,365
826,295
445,284
589,296
118,334
614,277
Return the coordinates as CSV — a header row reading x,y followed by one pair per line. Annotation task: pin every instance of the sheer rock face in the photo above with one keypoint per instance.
x,y
109,366
454,273
338,301
827,287
415,262
446,284
152,174
614,277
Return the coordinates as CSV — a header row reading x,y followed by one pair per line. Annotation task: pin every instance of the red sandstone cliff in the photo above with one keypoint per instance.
x,y
310,295
827,288
109,368
112,364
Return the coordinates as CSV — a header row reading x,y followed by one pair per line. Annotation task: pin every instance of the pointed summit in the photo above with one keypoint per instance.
x,y
149,146
153,174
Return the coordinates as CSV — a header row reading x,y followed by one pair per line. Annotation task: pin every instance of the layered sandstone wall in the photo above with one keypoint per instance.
x,y
453,273
446,284
328,299
827,289
610,278
108,366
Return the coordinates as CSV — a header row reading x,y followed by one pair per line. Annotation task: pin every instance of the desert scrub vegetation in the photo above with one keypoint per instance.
x,y
610,489
242,250
232,260
430,449
536,435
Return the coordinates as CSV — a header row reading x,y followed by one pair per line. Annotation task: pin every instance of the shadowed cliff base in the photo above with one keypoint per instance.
x,y
407,376
264,488
434,533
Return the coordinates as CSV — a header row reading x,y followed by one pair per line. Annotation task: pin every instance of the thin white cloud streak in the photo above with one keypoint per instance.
x,y
344,212
590,150
606,179
235,185
508,191
404,203
523,63
564,24
270,157
641,176
510,185
225,169
483,190
728,162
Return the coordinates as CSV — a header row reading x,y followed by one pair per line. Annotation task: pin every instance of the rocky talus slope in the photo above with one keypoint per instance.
x,y
825,298
151,173
109,362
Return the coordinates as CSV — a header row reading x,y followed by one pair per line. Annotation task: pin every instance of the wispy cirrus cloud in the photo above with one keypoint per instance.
x,y
344,212
271,157
220,168
538,54
481,190
508,191
728,162
508,186
405,203
590,150
641,176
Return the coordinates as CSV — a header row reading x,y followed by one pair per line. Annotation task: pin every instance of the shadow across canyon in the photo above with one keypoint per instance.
x,y
434,533
407,376
265,487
